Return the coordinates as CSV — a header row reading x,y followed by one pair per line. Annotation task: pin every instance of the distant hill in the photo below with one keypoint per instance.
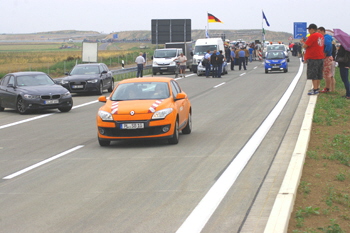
x,y
145,35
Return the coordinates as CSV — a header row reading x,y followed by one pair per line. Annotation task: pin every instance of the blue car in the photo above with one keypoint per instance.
x,y
276,60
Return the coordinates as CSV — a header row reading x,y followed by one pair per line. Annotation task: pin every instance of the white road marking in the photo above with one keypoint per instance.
x,y
220,85
42,163
42,116
206,207
255,67
242,74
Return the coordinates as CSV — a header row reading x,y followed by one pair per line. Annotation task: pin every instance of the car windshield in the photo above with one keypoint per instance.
x,y
34,80
141,91
275,55
202,49
276,47
165,53
83,70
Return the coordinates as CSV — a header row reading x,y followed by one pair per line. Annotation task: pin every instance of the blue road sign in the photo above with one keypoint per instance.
x,y
300,30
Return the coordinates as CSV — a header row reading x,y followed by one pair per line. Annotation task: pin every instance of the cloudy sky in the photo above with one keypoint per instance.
x,y
28,16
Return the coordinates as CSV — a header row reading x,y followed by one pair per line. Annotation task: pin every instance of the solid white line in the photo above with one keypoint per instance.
x,y
220,84
42,116
41,163
204,210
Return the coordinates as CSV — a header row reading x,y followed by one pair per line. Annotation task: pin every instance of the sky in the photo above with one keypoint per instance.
x,y
108,16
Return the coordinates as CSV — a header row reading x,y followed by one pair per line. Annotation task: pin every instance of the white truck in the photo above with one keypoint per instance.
x,y
186,48
202,46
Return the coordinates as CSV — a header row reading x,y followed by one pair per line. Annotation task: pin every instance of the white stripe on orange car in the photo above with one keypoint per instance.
x,y
114,107
154,106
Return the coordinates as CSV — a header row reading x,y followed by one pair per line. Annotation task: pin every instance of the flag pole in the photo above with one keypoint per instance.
x,y
207,23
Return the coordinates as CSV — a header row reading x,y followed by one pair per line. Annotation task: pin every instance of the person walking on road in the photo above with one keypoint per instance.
x,y
182,59
314,46
220,62
241,58
233,58
140,61
214,63
206,61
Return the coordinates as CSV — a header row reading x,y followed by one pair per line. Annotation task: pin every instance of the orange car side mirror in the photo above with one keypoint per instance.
x,y
102,99
180,96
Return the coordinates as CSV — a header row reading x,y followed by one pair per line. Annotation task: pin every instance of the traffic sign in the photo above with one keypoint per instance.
x,y
299,30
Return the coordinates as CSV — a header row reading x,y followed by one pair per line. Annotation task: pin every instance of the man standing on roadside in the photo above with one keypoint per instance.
x,y
220,62
314,55
140,61
240,54
328,61
214,63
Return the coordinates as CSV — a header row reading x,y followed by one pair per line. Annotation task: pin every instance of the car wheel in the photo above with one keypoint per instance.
x,y
110,89
21,108
266,71
100,89
285,70
1,108
188,128
65,109
104,142
154,73
175,138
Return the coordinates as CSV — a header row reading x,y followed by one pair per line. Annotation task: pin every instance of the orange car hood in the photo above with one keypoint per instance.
x,y
138,106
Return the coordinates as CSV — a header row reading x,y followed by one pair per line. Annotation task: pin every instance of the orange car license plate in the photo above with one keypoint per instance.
x,y
132,126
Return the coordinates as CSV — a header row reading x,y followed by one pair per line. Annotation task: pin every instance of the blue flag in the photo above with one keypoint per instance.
x,y
264,17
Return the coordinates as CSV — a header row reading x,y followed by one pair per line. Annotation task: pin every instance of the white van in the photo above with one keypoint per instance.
x,y
163,60
202,46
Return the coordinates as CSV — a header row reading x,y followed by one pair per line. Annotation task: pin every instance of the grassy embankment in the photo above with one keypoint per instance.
x,y
323,199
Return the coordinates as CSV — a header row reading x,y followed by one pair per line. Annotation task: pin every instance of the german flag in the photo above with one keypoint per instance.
x,y
213,19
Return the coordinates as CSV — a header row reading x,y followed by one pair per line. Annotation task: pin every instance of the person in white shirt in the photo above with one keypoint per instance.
x,y
140,61
182,60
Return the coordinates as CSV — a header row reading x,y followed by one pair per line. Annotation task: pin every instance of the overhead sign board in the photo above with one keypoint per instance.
x,y
171,30
300,30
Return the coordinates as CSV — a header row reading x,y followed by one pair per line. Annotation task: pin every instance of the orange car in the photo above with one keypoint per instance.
x,y
144,108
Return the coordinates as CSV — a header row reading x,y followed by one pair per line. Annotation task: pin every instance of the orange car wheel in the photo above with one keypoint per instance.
x,y
175,138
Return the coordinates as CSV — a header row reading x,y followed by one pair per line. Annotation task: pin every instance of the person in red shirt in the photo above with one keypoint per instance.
x,y
314,55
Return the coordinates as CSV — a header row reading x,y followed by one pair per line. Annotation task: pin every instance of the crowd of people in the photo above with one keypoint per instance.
x,y
322,56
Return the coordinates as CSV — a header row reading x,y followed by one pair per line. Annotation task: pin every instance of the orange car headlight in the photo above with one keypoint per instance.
x,y
106,116
161,114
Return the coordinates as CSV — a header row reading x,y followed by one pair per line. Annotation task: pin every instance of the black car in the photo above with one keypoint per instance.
x,y
25,91
89,78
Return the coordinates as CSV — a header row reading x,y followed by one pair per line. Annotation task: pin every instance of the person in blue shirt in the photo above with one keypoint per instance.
x,y
241,58
233,58
251,50
327,62
207,63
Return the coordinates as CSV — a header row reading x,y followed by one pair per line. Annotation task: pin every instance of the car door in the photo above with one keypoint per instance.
x,y
8,93
104,76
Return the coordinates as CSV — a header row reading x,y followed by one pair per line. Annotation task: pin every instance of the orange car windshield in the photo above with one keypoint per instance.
x,y
141,91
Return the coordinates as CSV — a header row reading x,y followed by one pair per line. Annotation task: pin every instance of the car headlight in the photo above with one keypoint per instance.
x,y
64,82
161,114
67,94
155,63
31,97
92,80
106,116
267,62
283,61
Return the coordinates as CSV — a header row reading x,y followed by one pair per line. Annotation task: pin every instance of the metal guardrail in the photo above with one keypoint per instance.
x,y
128,70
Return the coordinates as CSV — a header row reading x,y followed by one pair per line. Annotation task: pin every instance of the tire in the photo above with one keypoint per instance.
x,y
188,128
104,142
1,108
266,71
20,106
110,89
154,73
65,109
100,89
175,138
285,70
